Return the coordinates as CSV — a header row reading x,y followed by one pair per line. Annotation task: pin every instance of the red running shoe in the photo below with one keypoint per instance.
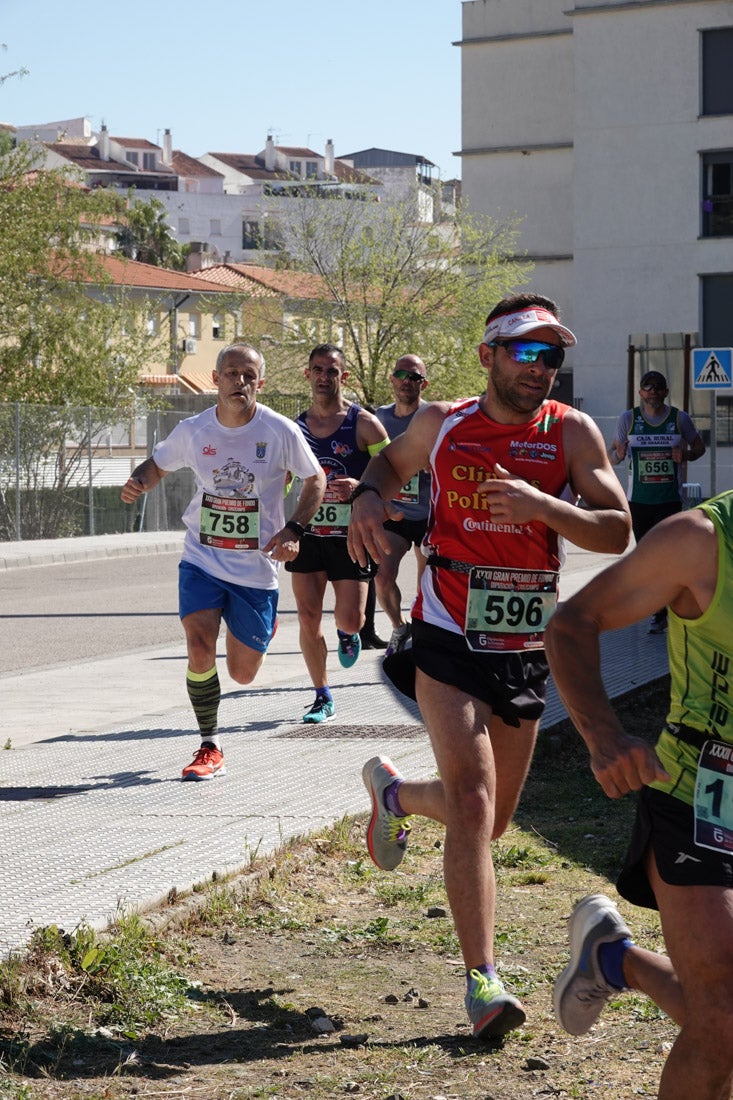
x,y
206,764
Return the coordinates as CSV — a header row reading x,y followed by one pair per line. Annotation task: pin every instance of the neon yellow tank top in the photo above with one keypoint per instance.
x,y
701,665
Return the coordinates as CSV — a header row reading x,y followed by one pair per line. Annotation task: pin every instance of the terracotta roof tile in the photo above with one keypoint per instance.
x,y
135,143
225,275
296,151
290,284
344,173
87,157
250,165
130,273
196,378
184,165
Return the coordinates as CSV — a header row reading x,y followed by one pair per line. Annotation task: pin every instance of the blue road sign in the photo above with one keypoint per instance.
x,y
712,369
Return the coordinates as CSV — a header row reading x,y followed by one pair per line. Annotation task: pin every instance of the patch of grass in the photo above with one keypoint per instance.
x,y
122,976
217,1006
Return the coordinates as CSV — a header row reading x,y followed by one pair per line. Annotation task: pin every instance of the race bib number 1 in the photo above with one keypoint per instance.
x,y
508,609
230,523
714,797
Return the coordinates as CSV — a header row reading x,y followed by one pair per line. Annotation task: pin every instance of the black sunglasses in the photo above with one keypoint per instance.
x,y
413,376
529,351
658,387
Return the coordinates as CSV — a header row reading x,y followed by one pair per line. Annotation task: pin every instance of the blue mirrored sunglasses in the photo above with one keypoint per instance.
x,y
529,351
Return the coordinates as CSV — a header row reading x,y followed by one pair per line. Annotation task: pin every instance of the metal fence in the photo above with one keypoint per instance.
x,y
61,469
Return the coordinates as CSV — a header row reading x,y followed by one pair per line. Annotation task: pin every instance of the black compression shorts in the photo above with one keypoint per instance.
x,y
667,824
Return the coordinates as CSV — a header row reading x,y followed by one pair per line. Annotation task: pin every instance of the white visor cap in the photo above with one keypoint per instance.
x,y
513,325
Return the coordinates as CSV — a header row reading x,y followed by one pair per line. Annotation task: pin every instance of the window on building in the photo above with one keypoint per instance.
x,y
152,324
214,227
717,71
311,169
184,225
132,158
296,167
717,316
194,325
149,162
717,332
251,235
717,193
217,326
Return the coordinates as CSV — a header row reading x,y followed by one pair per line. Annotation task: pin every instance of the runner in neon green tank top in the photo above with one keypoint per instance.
x,y
680,859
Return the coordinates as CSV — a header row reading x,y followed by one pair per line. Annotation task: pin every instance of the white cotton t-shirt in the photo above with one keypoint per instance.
x,y
240,487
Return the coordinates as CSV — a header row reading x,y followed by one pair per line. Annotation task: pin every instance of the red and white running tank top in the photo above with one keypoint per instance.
x,y
459,524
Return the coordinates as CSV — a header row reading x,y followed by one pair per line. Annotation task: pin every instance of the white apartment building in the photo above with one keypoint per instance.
x,y
607,126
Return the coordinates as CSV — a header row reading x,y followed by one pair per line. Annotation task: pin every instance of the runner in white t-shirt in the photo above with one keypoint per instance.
x,y
242,455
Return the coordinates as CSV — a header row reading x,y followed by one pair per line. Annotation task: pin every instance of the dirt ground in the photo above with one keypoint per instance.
x,y
318,975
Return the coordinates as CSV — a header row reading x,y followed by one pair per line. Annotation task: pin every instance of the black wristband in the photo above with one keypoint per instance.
x,y
363,487
297,528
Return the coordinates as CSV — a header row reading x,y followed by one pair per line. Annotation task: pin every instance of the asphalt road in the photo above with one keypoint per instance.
x,y
98,642
59,614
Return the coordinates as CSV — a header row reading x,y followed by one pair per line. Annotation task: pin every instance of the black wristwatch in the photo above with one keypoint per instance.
x,y
297,528
363,487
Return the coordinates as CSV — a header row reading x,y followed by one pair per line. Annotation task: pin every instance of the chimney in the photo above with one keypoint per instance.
x,y
270,154
104,143
328,165
167,149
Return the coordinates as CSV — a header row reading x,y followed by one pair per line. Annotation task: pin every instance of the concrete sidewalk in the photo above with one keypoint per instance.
x,y
97,820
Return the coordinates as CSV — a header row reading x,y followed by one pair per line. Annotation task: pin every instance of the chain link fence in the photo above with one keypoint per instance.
x,y
61,469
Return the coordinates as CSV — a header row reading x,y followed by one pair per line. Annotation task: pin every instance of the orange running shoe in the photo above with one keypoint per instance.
x,y
206,764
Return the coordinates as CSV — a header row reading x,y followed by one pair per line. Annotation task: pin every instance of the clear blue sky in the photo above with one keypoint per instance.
x,y
223,73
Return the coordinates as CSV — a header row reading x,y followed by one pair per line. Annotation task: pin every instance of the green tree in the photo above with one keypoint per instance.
x,y
395,284
62,340
145,235
72,346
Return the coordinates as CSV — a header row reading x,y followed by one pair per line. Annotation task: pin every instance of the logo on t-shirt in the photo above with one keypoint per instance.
x,y
234,478
208,450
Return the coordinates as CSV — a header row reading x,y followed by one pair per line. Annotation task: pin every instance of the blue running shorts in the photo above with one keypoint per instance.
x,y
250,613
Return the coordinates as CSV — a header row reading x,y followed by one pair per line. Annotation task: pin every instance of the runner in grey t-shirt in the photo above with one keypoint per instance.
x,y
409,378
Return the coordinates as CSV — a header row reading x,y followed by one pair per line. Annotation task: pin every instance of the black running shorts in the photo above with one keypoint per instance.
x,y
667,824
411,530
513,684
328,554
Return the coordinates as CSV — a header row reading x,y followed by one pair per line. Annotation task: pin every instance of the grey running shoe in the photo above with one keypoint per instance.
x,y
386,833
399,639
492,1011
581,990
322,710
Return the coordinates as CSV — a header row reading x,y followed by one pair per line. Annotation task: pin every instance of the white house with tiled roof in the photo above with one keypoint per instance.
x,y
284,167
225,206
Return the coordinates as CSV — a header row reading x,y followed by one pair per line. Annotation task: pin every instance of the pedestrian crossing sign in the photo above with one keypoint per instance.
x,y
712,369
